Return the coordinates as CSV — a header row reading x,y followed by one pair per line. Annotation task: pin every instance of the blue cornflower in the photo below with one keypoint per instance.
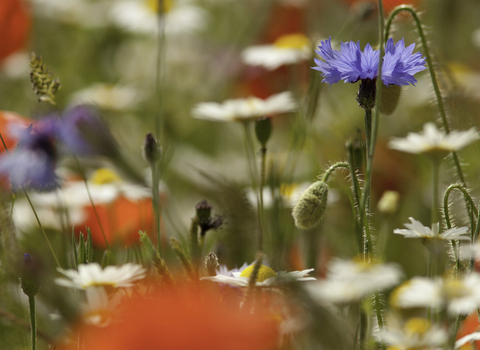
x,y
33,162
351,64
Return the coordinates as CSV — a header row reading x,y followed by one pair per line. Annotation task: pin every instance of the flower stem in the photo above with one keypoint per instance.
x,y
254,174
438,94
436,174
160,71
356,197
334,167
33,322
156,205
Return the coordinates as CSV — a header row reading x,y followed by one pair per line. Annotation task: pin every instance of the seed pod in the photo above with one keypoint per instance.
x,y
311,206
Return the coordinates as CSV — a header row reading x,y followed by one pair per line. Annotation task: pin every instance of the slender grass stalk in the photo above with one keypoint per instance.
x,y
156,205
33,321
263,152
160,71
435,182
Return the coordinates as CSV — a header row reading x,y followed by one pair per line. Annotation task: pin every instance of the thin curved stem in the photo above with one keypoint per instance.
x,y
332,168
466,196
431,69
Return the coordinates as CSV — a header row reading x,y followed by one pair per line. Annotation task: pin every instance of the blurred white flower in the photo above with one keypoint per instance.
x,y
388,203
92,275
266,277
141,16
434,140
475,336
416,333
108,96
459,296
287,49
89,14
416,230
349,281
99,308
242,109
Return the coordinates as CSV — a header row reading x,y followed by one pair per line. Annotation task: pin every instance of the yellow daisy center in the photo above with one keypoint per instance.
x,y
292,41
417,326
264,272
104,176
155,5
287,189
456,289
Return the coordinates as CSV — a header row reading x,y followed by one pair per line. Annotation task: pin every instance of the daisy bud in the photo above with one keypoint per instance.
x,y
366,93
311,206
211,263
390,98
29,279
151,150
263,129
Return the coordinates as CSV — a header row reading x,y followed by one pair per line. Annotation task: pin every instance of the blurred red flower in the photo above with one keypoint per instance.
x,y
181,321
9,120
14,26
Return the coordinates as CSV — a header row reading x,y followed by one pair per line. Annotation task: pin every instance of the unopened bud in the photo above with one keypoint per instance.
x,y
204,211
152,151
30,282
211,263
263,129
311,206
390,98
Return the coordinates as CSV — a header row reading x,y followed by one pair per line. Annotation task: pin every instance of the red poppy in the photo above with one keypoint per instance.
x,y
14,26
185,320
9,120
470,325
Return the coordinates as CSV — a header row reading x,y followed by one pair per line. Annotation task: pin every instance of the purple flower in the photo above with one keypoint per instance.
x,y
351,64
33,162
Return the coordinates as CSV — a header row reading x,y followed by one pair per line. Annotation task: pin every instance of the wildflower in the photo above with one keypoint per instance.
x,y
266,277
248,109
434,141
287,49
141,17
33,162
416,230
98,310
114,97
351,64
416,333
311,205
350,281
459,296
92,275
191,319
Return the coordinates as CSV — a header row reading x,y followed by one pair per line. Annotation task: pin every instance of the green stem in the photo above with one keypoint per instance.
x,y
431,69
263,152
156,205
254,174
467,198
332,168
436,174
160,71
33,322
356,197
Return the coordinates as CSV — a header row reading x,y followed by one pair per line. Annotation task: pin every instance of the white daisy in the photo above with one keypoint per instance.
x,y
416,333
92,275
434,140
349,281
141,16
108,96
459,296
417,230
267,277
99,308
287,49
242,109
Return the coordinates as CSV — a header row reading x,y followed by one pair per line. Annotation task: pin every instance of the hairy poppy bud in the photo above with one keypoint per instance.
x,y
311,206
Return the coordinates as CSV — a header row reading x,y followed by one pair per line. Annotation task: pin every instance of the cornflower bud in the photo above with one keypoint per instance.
x,y
151,151
263,129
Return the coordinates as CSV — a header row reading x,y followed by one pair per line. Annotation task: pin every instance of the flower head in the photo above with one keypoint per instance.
x,y
351,280
433,140
350,64
242,109
33,161
267,277
92,275
416,230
